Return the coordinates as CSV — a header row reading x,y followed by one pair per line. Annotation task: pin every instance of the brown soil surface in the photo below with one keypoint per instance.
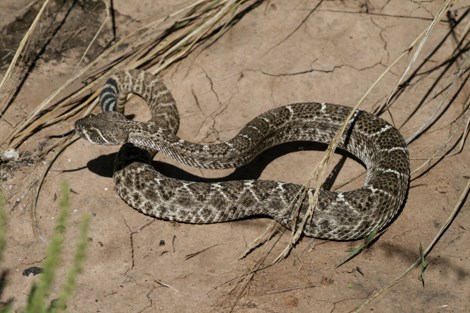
x,y
281,52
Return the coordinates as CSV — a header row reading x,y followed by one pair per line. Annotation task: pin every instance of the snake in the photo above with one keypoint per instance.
x,y
338,215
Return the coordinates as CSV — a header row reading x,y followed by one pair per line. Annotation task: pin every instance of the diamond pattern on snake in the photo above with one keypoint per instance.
x,y
338,215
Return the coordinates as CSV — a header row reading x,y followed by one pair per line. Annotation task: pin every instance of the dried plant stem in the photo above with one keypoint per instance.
x,y
436,19
108,18
405,52
463,138
434,116
440,152
34,220
21,48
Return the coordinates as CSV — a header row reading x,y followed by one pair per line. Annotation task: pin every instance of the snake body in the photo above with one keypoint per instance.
x,y
338,215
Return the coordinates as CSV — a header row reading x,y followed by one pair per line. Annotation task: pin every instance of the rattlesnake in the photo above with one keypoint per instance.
x,y
338,215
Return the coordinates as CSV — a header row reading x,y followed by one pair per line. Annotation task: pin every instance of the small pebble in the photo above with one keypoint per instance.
x,y
10,155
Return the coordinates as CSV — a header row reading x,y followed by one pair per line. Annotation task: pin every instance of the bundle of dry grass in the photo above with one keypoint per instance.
x,y
152,47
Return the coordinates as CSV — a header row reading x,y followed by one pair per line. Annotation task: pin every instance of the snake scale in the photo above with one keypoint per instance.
x,y
338,215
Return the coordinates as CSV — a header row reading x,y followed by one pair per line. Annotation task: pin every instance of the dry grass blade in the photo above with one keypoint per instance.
x,y
464,137
269,232
423,263
374,234
436,19
418,261
379,109
192,255
166,285
98,32
438,109
242,283
443,150
22,46
61,147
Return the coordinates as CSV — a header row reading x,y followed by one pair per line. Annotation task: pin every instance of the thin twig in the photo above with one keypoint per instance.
x,y
432,118
94,37
34,220
436,19
23,43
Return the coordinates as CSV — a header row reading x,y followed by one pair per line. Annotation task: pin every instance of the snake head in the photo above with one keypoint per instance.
x,y
107,128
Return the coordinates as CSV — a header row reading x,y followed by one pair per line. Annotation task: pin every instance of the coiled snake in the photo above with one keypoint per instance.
x,y
338,215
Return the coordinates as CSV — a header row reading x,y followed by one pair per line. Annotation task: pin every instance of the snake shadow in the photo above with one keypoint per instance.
x,y
103,165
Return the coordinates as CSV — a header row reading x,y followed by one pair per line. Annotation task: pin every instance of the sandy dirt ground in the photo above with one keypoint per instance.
x,y
281,52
